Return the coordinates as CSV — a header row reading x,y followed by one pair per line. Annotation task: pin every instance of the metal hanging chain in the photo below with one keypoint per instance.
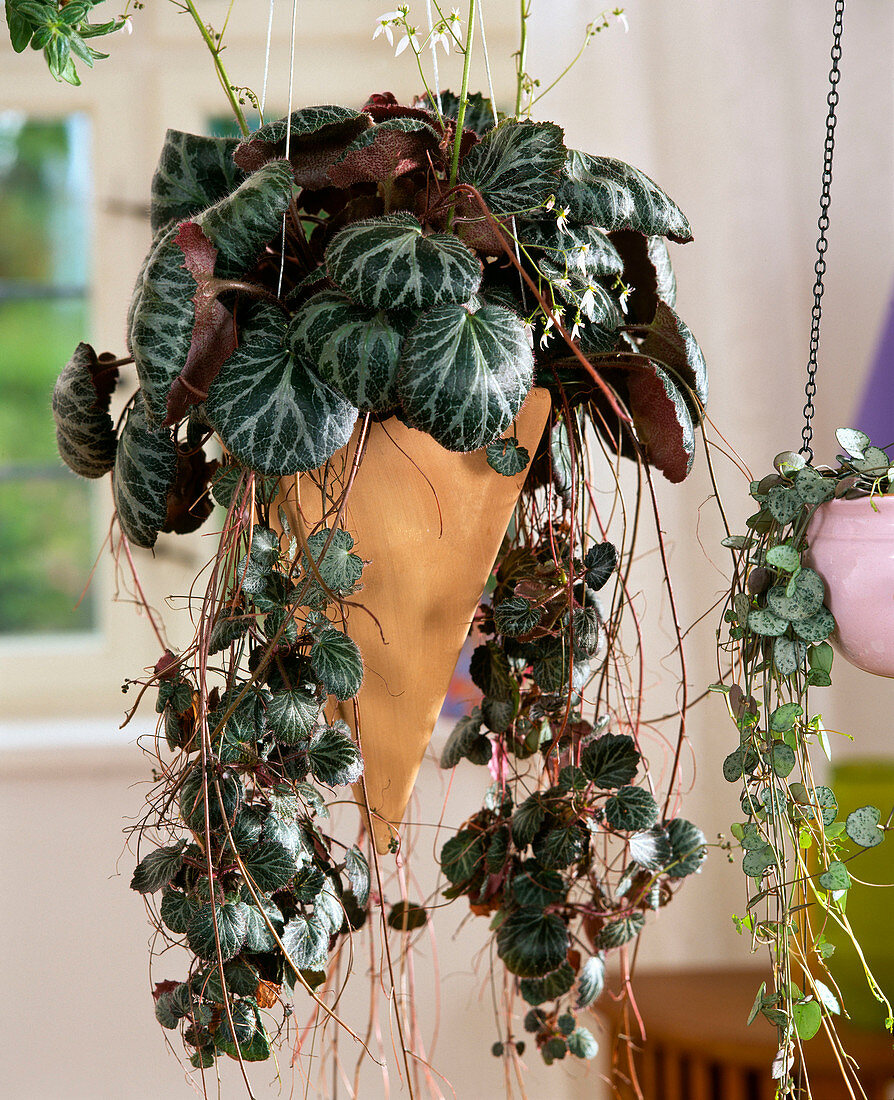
x,y
823,224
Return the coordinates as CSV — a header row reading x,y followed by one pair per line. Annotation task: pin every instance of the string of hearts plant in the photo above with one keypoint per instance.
x,y
431,262
796,850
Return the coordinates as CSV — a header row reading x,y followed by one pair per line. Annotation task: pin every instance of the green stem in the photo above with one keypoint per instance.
x,y
463,95
522,55
218,64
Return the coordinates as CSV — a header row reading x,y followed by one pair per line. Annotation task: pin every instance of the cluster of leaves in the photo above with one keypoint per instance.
x,y
534,858
252,884
62,29
394,293
778,624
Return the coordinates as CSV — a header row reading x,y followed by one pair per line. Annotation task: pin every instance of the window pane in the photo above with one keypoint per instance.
x,y
47,539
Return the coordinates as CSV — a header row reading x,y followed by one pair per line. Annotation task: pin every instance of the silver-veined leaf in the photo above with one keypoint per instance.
x,y
232,925
145,468
258,936
336,661
611,761
464,376
162,324
612,195
292,715
306,941
339,568
240,224
689,847
388,263
333,756
357,870
354,349
85,434
193,172
532,942
591,981
556,984
631,808
618,932
463,736
516,165
269,407
158,868
270,864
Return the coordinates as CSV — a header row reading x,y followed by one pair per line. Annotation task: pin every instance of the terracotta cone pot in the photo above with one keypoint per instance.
x,y
429,522
852,549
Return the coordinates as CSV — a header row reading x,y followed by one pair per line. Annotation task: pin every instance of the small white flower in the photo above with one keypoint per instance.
x,y
562,220
409,40
618,13
440,38
588,302
625,294
126,23
384,27
575,328
550,203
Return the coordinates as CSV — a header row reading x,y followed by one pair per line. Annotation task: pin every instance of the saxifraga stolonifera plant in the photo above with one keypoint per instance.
x,y
432,262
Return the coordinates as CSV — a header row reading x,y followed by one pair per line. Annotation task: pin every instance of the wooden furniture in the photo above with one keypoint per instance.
x,y
699,1048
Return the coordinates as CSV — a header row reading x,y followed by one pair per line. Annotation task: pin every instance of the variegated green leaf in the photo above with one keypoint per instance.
x,y
532,943
232,924
576,248
162,324
145,468
85,434
354,349
270,409
507,457
613,195
192,173
516,166
387,263
464,376
243,222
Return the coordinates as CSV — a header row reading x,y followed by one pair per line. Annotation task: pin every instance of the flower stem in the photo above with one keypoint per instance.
x,y
522,55
218,64
463,94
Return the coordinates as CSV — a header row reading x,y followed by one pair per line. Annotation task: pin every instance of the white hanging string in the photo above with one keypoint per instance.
x,y
267,59
282,258
490,83
434,55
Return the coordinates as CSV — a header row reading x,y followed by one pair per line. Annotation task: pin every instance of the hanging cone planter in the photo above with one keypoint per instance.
x,y
852,549
429,522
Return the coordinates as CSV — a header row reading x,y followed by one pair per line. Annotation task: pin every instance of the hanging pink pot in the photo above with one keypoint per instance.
x,y
852,549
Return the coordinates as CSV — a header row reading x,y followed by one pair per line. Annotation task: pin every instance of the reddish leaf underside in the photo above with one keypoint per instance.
x,y
213,334
389,154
